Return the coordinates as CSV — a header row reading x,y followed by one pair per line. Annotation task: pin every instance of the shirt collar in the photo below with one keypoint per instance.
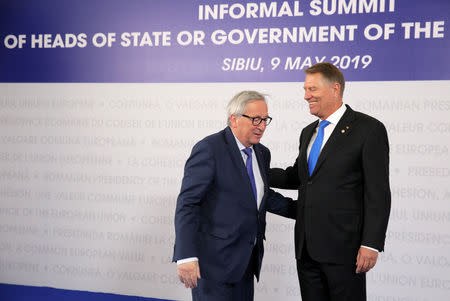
x,y
337,115
239,144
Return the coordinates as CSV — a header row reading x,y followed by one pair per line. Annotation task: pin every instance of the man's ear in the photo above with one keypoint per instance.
x,y
233,121
336,89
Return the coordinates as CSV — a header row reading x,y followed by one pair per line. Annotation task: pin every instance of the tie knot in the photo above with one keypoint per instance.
x,y
247,151
323,124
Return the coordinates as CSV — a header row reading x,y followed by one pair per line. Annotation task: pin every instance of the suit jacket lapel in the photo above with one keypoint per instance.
x,y
341,130
262,171
236,157
234,151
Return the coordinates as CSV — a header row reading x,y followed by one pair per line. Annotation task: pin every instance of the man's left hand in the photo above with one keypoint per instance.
x,y
365,260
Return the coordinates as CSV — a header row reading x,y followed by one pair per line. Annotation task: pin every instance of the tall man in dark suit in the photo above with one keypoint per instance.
x,y
220,219
342,177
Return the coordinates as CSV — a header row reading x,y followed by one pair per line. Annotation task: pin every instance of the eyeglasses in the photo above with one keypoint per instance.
x,y
258,120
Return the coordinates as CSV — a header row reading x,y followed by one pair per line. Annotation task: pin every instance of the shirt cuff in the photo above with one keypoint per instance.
x,y
190,259
362,247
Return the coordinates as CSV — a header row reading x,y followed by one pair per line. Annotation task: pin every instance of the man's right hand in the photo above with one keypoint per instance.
x,y
188,273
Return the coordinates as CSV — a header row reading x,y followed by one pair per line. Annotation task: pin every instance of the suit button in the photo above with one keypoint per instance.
x,y
310,182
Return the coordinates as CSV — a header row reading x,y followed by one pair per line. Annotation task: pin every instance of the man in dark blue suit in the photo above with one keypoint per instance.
x,y
220,219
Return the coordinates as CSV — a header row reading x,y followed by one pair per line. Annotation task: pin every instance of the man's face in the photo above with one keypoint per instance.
x,y
242,127
323,97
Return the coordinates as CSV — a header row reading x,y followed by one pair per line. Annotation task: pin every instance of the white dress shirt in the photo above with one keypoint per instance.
x,y
333,119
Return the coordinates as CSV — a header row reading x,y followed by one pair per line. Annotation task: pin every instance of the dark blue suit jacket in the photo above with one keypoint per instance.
x,y
217,219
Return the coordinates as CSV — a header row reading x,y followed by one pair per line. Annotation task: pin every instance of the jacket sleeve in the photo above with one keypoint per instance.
x,y
281,205
285,178
377,194
198,176
277,203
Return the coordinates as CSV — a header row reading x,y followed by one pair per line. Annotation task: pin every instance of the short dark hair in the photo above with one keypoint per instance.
x,y
330,72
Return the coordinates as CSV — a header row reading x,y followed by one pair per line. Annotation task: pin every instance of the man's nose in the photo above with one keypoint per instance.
x,y
307,95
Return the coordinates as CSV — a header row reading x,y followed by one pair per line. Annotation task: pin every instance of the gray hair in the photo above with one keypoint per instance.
x,y
238,103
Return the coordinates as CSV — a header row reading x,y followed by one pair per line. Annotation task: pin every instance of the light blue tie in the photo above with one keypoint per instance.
x,y
315,149
249,166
